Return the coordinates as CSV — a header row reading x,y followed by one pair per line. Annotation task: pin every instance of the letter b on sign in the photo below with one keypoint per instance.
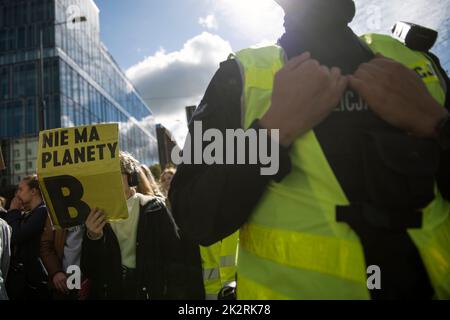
x,y
62,201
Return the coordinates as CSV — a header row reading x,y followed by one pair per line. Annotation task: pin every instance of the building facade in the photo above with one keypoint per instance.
x,y
82,83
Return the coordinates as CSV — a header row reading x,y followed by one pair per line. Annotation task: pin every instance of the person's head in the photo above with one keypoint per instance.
x,y
129,167
29,192
326,12
166,179
151,181
144,185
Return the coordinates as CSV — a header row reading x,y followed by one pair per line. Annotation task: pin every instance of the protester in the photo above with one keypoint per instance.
x,y
27,278
60,249
141,257
145,186
166,179
5,254
151,179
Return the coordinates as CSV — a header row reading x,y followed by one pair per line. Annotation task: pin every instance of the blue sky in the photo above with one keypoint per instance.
x,y
170,49
167,24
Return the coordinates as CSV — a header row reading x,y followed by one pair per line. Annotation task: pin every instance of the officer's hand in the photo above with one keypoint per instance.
x,y
397,95
304,94
95,223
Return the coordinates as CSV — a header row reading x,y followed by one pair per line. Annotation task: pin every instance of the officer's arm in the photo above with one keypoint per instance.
x,y
210,202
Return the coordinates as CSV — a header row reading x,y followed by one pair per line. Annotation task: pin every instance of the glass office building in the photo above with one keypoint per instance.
x,y
82,82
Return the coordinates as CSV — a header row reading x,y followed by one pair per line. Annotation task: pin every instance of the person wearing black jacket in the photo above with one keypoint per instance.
x,y
143,257
27,277
211,202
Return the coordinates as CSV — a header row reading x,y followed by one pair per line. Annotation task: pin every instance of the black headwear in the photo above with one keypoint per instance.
x,y
321,27
329,12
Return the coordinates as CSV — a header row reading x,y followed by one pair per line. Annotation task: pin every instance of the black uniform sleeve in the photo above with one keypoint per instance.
x,y
210,202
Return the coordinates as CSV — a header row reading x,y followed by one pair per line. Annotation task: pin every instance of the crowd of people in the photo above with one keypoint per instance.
x,y
142,257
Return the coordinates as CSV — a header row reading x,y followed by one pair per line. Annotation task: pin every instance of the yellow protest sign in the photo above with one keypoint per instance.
x,y
79,169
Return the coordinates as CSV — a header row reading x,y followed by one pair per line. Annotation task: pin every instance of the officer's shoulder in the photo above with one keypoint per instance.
x,y
227,67
262,49
228,77
260,55
380,39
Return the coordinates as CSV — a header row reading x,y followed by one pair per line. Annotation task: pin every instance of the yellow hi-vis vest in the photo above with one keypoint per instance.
x,y
292,247
219,262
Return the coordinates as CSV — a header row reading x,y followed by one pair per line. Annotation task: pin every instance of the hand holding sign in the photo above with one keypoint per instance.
x,y
95,224
79,168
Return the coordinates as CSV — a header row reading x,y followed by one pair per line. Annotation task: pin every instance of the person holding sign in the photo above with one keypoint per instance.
x,y
73,164
143,256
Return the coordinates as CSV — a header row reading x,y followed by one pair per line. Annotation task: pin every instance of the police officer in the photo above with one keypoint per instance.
x,y
356,190
219,265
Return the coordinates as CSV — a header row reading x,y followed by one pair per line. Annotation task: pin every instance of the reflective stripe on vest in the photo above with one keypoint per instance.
x,y
219,265
292,247
211,274
228,261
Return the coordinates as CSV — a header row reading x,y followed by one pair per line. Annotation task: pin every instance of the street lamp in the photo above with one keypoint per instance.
x,y
42,105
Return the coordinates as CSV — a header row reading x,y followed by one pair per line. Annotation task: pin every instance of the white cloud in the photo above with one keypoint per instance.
x,y
169,82
209,22
252,21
